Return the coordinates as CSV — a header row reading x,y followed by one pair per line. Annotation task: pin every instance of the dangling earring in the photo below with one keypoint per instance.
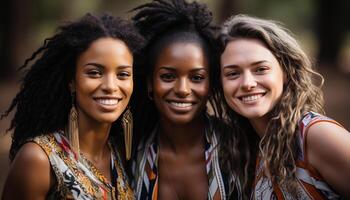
x,y
150,95
127,123
73,132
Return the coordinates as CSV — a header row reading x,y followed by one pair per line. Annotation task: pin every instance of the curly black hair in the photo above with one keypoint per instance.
x,y
164,22
44,100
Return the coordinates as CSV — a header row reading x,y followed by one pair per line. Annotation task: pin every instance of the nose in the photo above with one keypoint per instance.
x,y
182,88
110,83
248,82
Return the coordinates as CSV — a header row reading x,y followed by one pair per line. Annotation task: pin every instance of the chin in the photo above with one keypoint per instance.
x,y
108,118
180,119
252,114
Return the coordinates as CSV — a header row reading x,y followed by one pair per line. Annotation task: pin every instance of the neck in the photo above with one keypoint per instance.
x,y
260,125
93,137
181,137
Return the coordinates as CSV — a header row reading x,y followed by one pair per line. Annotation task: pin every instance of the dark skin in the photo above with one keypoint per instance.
x,y
30,175
104,73
180,87
182,173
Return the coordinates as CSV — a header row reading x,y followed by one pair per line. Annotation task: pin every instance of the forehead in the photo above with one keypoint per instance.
x,y
182,54
107,48
245,50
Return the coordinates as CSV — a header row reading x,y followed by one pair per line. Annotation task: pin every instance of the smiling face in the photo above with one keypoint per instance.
x,y
252,78
180,82
103,81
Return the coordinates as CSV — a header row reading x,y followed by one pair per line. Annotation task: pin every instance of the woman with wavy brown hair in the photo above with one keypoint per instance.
x,y
269,86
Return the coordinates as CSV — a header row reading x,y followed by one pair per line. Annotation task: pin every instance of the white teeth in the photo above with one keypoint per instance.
x,y
108,101
251,98
182,105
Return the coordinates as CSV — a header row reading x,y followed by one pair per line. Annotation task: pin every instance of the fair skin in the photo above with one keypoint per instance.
x,y
253,83
103,86
180,88
328,151
252,80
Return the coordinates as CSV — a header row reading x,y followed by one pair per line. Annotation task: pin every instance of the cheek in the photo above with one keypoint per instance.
x,y
160,87
228,95
279,93
85,85
201,89
277,82
128,87
229,87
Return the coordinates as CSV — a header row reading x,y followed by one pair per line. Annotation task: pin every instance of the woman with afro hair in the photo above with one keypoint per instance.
x,y
71,111
182,152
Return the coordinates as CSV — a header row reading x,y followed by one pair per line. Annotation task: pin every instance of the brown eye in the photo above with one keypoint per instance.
x,y
232,74
167,77
197,78
123,75
94,73
261,69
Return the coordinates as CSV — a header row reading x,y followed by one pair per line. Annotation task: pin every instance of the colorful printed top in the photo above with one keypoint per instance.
x,y
78,178
145,170
311,184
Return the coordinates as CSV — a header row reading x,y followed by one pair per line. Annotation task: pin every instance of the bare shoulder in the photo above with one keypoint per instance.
x,y
328,138
29,175
328,151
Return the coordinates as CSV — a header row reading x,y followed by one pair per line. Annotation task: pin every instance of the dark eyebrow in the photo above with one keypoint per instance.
x,y
102,66
259,62
199,69
94,64
230,66
124,66
167,68
171,68
253,63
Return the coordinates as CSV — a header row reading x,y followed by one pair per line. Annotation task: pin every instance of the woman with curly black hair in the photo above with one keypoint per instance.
x,y
70,111
180,155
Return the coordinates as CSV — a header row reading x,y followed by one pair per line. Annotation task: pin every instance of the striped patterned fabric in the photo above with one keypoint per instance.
x,y
145,169
310,183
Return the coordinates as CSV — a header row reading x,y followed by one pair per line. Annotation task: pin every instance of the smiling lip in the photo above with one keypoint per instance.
x,y
107,103
251,98
180,106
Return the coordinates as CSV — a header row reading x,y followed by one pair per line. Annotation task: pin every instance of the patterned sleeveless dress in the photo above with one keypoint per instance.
x,y
311,185
145,170
78,178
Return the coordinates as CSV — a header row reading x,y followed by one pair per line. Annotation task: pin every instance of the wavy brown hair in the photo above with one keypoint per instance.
x,y
279,147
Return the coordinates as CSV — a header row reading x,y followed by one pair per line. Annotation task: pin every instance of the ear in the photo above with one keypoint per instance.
x,y
149,89
149,85
71,86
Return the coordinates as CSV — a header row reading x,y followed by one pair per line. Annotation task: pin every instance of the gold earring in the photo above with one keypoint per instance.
x,y
150,95
73,132
127,123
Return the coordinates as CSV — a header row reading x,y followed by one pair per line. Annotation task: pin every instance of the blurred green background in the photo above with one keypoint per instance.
x,y
321,26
